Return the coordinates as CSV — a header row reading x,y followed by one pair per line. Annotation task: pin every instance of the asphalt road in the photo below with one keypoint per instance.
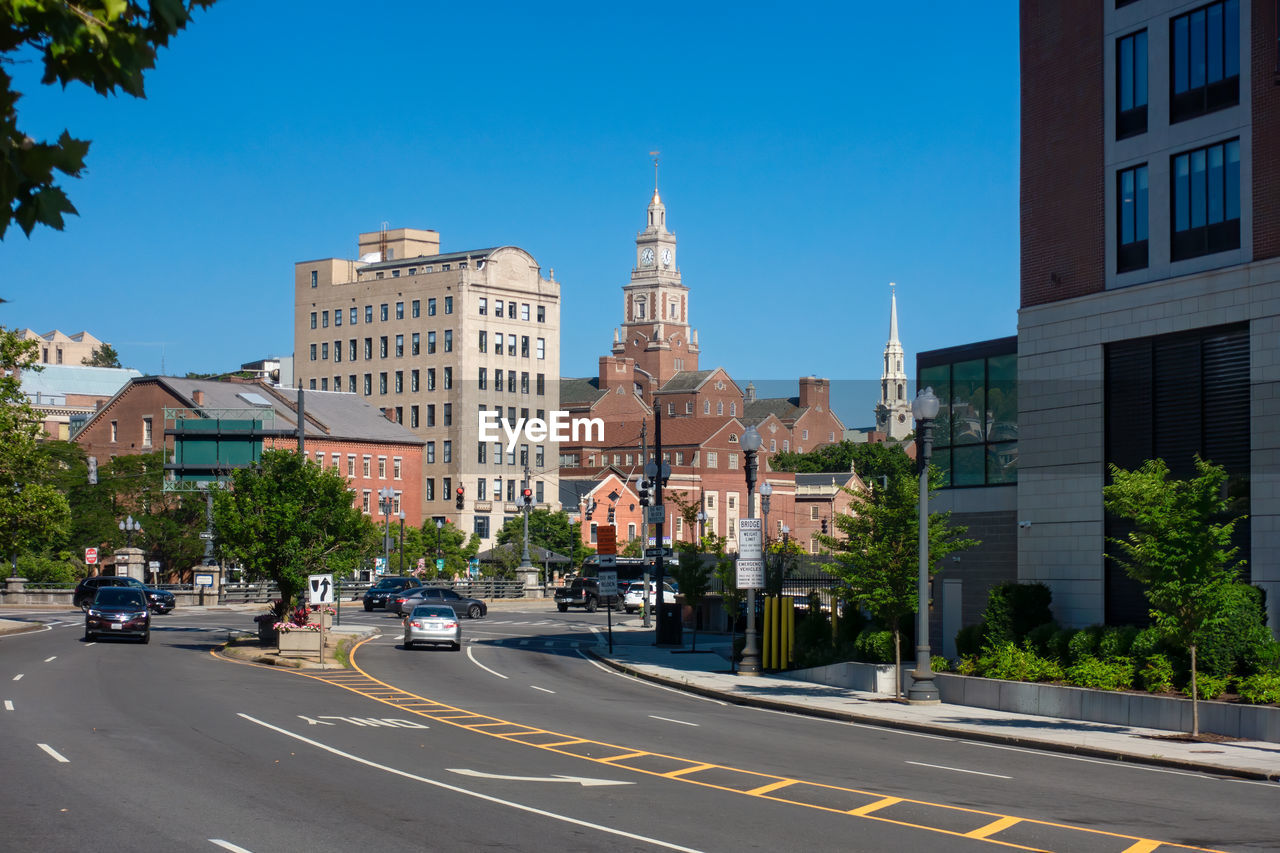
x,y
521,742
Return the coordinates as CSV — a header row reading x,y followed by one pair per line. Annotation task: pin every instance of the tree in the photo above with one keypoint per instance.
x,y
870,461
103,356
1180,550
32,512
447,541
692,573
286,518
878,556
104,44
550,530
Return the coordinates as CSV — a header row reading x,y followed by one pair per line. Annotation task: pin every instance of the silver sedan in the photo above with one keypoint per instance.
x,y
433,624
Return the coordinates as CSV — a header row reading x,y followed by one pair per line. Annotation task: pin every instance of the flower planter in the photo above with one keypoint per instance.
x,y
298,644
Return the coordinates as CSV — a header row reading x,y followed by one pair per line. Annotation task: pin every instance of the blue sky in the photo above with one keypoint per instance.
x,y
811,154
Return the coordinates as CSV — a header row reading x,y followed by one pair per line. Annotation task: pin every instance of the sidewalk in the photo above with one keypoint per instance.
x,y
706,672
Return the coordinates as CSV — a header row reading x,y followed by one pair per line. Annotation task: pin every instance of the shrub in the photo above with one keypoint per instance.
x,y
1013,609
1156,674
1148,642
1236,644
969,641
938,663
967,666
1059,647
1084,644
1011,663
1262,688
813,641
875,646
1261,657
1040,637
1116,642
1091,672
1208,686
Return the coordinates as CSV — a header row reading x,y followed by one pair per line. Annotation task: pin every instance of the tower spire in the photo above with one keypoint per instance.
x,y
893,411
893,315
656,160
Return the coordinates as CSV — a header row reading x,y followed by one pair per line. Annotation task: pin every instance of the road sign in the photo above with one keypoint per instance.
x,y
608,561
439,564
154,565
750,539
206,535
606,539
655,514
320,589
90,556
750,574
204,580
607,581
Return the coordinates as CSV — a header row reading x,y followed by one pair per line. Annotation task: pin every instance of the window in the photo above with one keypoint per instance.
x,y
446,452
497,379
712,458
313,320
524,382
541,350
431,343
481,525
337,350
719,407
429,489
448,378
539,455
313,352
483,306
1206,200
524,311
1131,85
413,380
431,379
1205,48
706,407
324,351
448,340
324,319
804,435
448,305
431,414
483,379
431,307
351,349
368,313
482,457
671,409
975,439
351,465
337,317
399,310
382,347
415,344
484,341
431,452
688,407
541,386
382,383
399,346
447,414
511,310
511,345
365,463
524,346
315,278
368,348
415,308
497,454
1131,207
399,381
542,314
382,312
146,432
511,384
733,462
382,467
364,500
368,384
413,417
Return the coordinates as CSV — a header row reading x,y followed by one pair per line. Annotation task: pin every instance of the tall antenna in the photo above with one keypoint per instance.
x,y
656,159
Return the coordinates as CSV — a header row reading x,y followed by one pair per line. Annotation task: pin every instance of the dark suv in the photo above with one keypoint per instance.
x,y
380,593
159,600
581,592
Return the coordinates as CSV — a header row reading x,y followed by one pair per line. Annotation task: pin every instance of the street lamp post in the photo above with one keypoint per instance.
x,y
923,691
439,527
750,444
402,542
385,496
130,527
766,491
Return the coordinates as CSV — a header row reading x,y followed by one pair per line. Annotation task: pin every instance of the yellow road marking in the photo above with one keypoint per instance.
x,y
676,774
367,686
863,811
993,827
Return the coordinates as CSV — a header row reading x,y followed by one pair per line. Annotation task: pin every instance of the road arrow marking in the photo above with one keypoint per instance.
x,y
580,780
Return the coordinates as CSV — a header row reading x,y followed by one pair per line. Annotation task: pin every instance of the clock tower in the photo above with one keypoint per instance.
x,y
655,327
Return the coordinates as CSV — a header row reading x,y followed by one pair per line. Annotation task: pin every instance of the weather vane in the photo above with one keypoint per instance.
x,y
654,155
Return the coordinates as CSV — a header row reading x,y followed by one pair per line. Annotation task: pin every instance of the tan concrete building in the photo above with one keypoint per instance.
x,y
58,348
435,339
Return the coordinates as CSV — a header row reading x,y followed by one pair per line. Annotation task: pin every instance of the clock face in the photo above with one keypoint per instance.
x,y
666,257
646,256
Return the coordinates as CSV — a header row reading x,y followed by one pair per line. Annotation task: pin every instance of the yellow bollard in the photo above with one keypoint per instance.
x,y
779,661
766,645
791,632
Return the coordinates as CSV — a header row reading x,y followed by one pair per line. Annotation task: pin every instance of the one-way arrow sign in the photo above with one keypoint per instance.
x,y
320,588
580,780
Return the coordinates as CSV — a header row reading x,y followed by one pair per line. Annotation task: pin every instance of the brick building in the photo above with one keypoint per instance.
x,y
66,396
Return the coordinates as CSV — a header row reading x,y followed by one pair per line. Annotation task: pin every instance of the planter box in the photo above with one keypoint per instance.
x,y
298,644
865,677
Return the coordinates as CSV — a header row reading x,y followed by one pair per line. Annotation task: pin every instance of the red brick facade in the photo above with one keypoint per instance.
x,y
1265,74
1063,194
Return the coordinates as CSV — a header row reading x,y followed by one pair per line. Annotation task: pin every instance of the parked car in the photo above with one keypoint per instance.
x,y
472,608
159,600
582,592
380,593
634,598
433,624
118,611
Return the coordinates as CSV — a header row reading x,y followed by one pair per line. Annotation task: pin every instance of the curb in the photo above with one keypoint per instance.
x,y
933,729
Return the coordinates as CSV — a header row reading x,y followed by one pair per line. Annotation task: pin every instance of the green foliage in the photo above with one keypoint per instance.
x,y
1092,672
1084,644
692,575
285,518
969,641
1040,639
1261,688
938,663
813,642
1156,675
1148,642
1240,641
103,356
1208,686
875,646
1116,642
967,666
870,461
105,44
38,568
551,530
1013,609
1011,663
1059,645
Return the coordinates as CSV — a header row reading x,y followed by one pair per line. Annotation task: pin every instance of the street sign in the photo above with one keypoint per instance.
x,y
750,539
608,561
607,581
655,514
206,535
750,574
606,539
204,580
154,565
90,556
320,589
439,564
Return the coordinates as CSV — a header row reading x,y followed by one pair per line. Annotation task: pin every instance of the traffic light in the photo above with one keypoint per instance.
x,y
645,498
591,508
824,526
611,515
458,501
527,494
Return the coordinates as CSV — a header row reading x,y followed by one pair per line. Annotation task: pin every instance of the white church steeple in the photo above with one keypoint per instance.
x,y
893,412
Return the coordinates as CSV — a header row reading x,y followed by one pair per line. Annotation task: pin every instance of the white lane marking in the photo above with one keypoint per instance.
x,y
53,752
18,677
958,770
584,781
469,793
49,659
604,668
51,624
227,845
471,649
8,704
543,689
871,726
669,720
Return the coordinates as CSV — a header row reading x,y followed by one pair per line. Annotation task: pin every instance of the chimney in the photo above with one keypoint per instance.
x,y
197,397
813,391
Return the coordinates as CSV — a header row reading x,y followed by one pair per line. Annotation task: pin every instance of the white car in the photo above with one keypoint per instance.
x,y
634,598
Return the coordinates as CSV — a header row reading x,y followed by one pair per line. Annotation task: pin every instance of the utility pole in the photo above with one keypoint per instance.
x,y
657,501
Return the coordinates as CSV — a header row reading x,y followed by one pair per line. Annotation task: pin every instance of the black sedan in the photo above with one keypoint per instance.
x,y
472,608
118,611
159,600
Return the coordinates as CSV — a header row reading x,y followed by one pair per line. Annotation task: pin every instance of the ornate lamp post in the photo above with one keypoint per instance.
x,y
130,527
923,691
385,497
750,444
